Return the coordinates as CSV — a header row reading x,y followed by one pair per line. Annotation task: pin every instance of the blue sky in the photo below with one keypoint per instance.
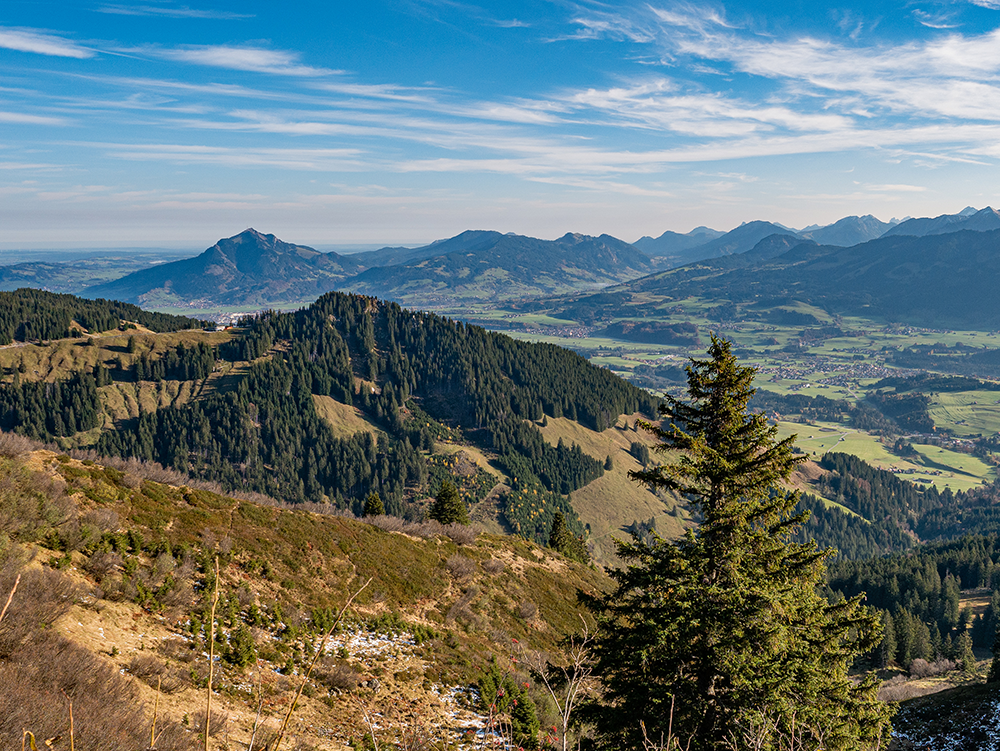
x,y
158,123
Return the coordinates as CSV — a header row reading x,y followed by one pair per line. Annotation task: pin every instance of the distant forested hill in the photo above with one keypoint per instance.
x,y
31,314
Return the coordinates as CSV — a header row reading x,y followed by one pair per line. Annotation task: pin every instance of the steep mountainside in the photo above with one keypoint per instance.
x,y
247,269
505,267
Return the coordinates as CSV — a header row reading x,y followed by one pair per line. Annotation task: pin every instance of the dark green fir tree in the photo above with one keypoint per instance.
x,y
448,507
374,505
722,639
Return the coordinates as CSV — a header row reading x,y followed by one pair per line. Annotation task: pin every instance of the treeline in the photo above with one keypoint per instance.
x,y
864,415
31,315
267,436
920,592
934,383
880,513
653,332
881,412
909,411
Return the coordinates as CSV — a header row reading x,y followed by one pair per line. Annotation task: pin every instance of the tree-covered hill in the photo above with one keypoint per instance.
x,y
419,377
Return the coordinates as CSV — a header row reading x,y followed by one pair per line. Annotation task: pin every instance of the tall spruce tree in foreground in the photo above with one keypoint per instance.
x,y
721,638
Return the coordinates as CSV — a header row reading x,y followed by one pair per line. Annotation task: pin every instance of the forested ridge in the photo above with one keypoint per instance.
x,y
31,314
412,373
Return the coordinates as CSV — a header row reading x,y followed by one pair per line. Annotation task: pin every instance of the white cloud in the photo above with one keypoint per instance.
x,y
28,40
296,159
254,59
19,118
177,12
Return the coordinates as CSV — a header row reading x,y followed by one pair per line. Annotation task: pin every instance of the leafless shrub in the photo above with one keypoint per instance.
x,y
461,610
106,709
155,673
336,675
217,725
100,565
103,519
493,566
920,668
177,649
31,502
903,691
462,534
13,445
42,597
163,565
460,566
527,610
131,481
188,566
387,523
498,636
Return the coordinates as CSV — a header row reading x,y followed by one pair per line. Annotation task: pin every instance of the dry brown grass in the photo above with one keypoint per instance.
x,y
41,672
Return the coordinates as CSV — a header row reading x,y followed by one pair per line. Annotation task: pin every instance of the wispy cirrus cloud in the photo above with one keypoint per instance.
x,y
285,158
42,43
21,118
252,59
170,12
805,88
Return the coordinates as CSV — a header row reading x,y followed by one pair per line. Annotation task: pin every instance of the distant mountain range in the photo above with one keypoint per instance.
x,y
489,266
671,250
969,219
252,269
256,270
940,280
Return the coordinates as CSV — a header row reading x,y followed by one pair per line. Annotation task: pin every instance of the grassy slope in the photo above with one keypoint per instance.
x,y
967,413
613,501
345,420
312,561
59,359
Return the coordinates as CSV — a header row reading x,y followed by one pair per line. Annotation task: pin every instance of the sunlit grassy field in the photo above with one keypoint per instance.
x,y
967,412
